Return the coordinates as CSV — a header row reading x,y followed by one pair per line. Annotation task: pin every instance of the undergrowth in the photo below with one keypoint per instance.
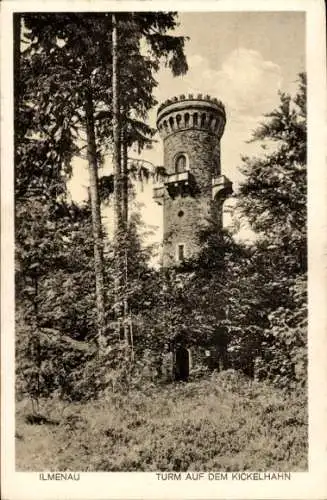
x,y
224,422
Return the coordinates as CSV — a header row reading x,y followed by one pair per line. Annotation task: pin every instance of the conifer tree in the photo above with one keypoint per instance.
x,y
273,198
273,194
68,73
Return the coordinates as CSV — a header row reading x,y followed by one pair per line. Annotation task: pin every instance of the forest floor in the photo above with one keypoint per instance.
x,y
221,423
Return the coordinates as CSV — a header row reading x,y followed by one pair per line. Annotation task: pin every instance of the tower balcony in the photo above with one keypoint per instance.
x,y
179,183
178,178
222,187
176,184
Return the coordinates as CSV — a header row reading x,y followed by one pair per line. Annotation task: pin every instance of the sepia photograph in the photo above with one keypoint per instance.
x,y
160,215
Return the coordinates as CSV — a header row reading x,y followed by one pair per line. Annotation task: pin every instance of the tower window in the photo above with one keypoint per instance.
x,y
216,165
180,253
180,165
172,123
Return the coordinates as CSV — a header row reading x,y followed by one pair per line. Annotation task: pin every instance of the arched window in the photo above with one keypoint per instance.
x,y
180,164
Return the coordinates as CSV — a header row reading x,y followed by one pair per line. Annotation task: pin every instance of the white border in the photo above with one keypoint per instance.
x,y
310,485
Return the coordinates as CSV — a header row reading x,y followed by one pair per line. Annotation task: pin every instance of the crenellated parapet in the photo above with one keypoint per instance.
x,y
191,112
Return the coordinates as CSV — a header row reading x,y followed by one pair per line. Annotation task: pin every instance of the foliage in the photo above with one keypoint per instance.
x,y
273,198
221,423
285,342
54,266
55,312
69,55
63,92
50,364
273,194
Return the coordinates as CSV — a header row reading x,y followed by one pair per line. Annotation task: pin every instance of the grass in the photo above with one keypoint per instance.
x,y
221,423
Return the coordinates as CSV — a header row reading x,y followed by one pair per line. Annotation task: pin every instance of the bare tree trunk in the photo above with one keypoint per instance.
x,y
117,173
124,150
17,78
96,215
17,35
125,300
116,127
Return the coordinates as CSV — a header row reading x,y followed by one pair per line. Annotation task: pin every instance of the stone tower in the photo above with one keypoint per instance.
x,y
193,189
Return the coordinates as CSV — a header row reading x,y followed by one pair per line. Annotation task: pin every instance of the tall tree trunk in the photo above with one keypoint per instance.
x,y
96,214
17,84
117,175
124,150
17,35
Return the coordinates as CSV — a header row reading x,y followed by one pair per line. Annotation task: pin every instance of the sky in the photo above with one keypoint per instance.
x,y
243,59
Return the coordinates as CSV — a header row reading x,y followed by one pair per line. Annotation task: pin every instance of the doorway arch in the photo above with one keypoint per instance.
x,y
182,364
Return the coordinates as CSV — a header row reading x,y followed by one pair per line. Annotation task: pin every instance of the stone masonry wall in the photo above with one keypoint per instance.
x,y
184,216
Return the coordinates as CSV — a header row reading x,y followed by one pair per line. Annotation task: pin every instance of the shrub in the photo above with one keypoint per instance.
x,y
225,422
48,363
284,360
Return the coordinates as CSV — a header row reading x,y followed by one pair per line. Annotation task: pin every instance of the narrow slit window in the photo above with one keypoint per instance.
x,y
180,253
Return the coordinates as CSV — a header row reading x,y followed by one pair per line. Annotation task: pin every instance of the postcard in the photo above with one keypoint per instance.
x,y
163,242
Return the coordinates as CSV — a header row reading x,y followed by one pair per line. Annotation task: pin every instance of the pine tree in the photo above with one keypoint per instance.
x,y
69,70
138,25
273,195
273,199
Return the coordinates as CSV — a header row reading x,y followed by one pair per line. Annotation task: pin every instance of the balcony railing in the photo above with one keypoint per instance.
x,y
177,178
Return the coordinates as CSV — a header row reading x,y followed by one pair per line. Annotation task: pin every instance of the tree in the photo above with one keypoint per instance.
x,y
69,69
96,214
273,199
152,28
63,54
273,195
55,294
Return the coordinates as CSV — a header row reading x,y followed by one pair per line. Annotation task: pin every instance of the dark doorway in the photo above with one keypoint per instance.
x,y
217,360
182,364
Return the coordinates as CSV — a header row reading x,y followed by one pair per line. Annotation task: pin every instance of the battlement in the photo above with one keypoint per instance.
x,y
201,112
190,97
